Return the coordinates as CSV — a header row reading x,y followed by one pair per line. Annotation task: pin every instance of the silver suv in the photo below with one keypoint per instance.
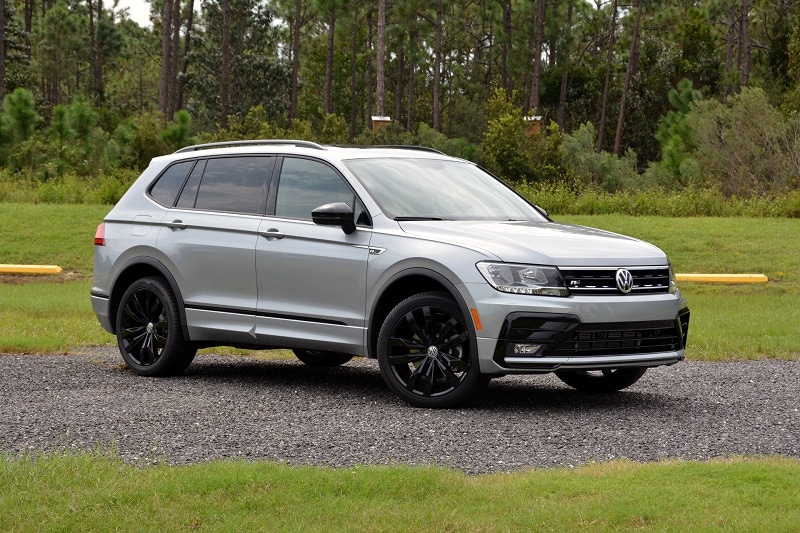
x,y
425,262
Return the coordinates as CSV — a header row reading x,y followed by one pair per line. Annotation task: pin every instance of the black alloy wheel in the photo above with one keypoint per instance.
x,y
149,331
425,352
599,381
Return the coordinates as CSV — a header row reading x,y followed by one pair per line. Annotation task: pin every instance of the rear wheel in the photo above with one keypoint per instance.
x,y
425,354
321,358
149,332
606,380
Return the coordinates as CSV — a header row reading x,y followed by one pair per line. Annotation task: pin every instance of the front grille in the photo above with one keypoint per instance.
x,y
595,281
565,336
630,338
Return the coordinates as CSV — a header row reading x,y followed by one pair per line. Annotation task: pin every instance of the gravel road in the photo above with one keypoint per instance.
x,y
235,407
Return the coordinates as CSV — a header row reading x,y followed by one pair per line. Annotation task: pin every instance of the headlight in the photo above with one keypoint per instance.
x,y
673,280
524,279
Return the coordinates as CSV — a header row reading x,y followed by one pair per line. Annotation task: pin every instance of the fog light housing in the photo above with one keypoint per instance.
x,y
526,349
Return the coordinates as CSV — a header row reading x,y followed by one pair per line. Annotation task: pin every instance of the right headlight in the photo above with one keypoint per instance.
x,y
524,279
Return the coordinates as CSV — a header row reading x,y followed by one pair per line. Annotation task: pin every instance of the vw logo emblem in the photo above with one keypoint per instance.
x,y
624,281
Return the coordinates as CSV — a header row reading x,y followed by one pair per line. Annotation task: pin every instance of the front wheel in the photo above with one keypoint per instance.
x,y
425,353
319,358
606,380
149,331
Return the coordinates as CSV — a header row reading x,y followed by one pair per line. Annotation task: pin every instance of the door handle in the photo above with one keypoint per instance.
x,y
272,234
176,225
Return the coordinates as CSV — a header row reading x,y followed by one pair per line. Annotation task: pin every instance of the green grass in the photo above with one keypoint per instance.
x,y
728,321
99,493
50,235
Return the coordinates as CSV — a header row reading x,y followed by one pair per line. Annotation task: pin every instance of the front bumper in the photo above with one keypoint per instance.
x,y
524,334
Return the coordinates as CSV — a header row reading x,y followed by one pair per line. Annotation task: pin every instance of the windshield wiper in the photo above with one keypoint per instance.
x,y
405,219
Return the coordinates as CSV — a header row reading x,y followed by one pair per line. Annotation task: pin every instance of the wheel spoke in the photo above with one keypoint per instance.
x,y
453,380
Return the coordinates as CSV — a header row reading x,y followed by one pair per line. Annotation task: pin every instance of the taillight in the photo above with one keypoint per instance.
x,y
100,235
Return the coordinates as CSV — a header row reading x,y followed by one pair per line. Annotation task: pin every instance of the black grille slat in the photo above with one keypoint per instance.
x,y
619,339
603,280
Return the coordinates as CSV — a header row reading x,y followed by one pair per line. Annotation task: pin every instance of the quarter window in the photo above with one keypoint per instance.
x,y
169,183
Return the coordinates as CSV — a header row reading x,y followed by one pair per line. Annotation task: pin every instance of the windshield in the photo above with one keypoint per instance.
x,y
435,189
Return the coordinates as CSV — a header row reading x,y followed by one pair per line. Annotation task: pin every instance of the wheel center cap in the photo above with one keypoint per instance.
x,y
150,327
433,351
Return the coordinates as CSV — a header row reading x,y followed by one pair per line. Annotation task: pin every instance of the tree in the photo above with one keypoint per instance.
x,y
633,60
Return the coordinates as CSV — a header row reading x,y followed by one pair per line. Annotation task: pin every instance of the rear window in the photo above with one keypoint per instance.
x,y
165,189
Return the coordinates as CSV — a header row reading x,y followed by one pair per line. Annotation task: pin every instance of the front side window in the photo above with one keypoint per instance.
x,y
233,184
306,185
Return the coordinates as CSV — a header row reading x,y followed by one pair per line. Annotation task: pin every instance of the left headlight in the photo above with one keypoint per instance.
x,y
673,280
524,279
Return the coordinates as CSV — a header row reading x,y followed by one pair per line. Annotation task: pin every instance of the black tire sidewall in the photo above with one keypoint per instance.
x,y
472,382
177,354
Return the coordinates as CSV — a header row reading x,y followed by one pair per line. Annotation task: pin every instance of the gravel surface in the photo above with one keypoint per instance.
x,y
235,407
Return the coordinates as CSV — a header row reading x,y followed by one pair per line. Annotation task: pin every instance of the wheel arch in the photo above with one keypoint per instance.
x,y
407,283
138,268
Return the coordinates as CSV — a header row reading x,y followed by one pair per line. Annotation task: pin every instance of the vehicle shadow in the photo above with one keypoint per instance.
x,y
361,379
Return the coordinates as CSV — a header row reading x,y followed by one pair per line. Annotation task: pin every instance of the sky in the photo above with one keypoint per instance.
x,y
139,10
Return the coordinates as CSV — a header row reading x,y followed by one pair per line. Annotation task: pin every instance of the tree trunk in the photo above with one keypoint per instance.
x,y
562,97
296,24
225,74
2,51
174,59
381,58
633,61
537,56
401,70
746,45
354,76
187,44
437,70
326,104
505,45
609,58
410,85
729,53
369,80
166,22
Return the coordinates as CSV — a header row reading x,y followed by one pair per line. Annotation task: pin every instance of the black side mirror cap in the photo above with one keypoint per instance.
x,y
335,214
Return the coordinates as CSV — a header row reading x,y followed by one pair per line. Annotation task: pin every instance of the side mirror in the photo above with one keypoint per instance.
x,y
542,212
335,214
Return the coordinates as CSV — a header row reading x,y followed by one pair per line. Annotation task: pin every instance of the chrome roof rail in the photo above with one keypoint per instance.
x,y
261,142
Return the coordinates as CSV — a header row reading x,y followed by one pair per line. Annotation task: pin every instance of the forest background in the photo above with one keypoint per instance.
x,y
697,100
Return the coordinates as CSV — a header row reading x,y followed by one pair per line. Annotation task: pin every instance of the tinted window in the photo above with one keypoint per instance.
x,y
235,184
306,185
189,194
166,188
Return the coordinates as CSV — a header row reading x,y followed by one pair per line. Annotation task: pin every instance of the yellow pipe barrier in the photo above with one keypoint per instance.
x,y
723,278
30,269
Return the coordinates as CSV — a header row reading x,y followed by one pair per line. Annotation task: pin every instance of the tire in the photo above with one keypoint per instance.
x,y
149,332
425,353
599,381
319,358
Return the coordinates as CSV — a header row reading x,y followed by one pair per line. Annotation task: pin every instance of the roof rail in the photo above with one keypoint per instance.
x,y
404,147
260,142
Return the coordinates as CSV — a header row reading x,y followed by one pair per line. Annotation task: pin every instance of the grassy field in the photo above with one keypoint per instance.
x,y
94,492
728,321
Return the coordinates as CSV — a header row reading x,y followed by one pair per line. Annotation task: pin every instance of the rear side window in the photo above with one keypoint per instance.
x,y
233,184
169,183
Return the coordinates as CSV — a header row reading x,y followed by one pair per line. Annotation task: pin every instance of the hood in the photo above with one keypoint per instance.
x,y
544,243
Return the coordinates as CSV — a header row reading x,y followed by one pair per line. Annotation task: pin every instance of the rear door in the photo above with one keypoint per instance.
x,y
208,242
311,279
